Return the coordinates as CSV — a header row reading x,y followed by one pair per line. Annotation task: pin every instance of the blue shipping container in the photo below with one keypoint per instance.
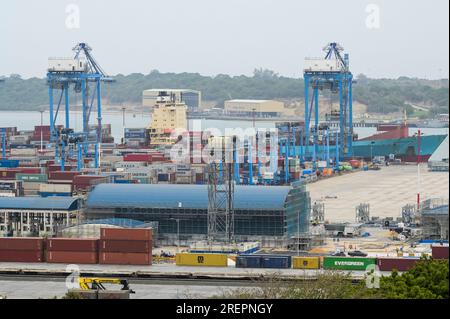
x,y
263,261
46,194
22,146
276,262
9,163
135,135
122,181
163,177
244,261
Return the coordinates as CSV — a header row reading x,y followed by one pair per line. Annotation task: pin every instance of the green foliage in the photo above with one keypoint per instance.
x,y
330,285
72,295
427,280
381,95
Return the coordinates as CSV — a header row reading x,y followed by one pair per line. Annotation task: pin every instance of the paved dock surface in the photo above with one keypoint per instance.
x,y
25,289
386,190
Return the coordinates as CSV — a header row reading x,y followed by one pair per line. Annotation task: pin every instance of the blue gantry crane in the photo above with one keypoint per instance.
x,y
86,76
329,73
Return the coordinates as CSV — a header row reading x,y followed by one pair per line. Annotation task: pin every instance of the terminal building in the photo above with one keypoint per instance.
x,y
259,108
271,215
37,216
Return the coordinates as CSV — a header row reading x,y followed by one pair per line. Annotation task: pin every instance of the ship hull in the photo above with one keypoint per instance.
x,y
404,148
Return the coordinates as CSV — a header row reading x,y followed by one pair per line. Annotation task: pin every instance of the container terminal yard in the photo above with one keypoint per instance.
x,y
180,211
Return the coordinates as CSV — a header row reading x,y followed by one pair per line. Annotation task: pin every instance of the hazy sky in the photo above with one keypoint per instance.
x,y
228,36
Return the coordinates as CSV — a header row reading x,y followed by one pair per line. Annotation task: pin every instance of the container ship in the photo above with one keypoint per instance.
x,y
394,139
391,140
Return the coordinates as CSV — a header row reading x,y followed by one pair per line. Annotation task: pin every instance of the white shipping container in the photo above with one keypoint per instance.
x,y
321,65
184,179
30,192
55,188
23,152
322,164
7,194
112,159
66,65
183,167
129,164
19,139
184,173
30,186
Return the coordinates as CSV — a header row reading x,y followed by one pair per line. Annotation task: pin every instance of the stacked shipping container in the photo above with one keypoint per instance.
x,y
86,182
21,250
125,246
66,250
400,264
439,252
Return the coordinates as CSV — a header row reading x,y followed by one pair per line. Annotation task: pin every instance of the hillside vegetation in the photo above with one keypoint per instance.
x,y
380,95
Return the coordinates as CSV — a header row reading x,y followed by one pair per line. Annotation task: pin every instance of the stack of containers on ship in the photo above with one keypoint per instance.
x,y
68,250
126,246
21,250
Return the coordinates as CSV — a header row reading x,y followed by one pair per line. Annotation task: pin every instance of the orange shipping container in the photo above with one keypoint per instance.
x,y
125,259
75,257
126,233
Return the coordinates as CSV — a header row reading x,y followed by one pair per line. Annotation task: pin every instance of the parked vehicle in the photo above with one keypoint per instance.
x,y
339,254
357,253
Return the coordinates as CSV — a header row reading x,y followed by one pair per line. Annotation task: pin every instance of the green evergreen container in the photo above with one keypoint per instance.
x,y
32,178
347,263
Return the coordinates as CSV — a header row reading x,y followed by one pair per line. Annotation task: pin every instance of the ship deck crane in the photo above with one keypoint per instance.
x,y
85,75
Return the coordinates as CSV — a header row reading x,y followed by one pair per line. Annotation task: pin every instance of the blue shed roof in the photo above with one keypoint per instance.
x,y
39,203
186,196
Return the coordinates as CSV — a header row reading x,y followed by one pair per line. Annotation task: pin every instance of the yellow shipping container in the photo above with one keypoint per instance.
x,y
213,260
306,262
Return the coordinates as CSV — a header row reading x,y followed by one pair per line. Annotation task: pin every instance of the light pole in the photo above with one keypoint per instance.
x,y
178,232
418,169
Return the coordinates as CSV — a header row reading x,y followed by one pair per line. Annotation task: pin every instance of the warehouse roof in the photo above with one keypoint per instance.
x,y
183,196
39,203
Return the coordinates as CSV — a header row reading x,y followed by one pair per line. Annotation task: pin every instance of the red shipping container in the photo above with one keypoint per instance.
x,y
28,256
137,158
8,173
72,257
29,170
57,168
126,246
126,233
68,244
16,243
88,179
401,264
125,259
62,176
439,252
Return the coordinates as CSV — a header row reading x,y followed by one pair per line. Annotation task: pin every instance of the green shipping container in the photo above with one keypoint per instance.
x,y
347,263
33,178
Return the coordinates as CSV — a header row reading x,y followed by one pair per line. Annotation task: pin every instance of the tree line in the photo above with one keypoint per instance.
x,y
380,95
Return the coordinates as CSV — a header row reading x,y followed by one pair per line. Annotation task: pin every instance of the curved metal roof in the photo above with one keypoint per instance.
x,y
183,196
39,203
